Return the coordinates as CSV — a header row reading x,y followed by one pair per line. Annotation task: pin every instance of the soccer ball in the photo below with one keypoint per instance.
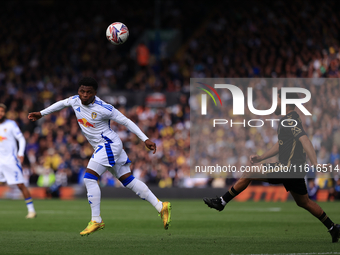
x,y
117,33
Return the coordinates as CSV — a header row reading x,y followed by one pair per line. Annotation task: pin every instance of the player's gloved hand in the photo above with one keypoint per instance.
x,y
150,145
255,159
33,116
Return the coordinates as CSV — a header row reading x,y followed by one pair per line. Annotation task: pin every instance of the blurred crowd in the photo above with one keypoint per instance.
x,y
42,60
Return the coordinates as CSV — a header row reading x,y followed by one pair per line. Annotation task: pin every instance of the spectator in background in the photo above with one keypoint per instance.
x,y
313,189
334,192
46,180
334,155
143,55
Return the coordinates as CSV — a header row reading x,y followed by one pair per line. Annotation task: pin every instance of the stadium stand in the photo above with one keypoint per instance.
x,y
41,63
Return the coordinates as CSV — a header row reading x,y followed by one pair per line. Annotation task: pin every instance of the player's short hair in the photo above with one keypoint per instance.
x,y
290,95
3,106
88,81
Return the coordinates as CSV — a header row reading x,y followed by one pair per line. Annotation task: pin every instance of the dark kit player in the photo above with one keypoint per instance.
x,y
292,146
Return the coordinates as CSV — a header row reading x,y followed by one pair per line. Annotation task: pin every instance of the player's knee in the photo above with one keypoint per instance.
x,y
89,176
247,176
137,186
21,186
128,182
302,203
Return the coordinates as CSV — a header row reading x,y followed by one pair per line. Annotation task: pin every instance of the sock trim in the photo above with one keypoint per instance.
x,y
323,217
128,180
90,176
29,201
233,192
326,220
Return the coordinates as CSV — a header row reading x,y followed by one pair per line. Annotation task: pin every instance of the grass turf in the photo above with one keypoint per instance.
x,y
132,227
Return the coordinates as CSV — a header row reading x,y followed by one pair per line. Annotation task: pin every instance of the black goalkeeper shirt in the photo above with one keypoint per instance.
x,y
291,151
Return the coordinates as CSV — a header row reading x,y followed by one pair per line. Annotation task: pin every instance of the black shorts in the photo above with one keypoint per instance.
x,y
297,185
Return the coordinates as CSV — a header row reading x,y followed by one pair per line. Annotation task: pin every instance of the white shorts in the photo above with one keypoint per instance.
x,y
111,157
11,173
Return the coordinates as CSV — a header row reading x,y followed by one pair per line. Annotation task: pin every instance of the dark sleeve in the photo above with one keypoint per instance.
x,y
298,130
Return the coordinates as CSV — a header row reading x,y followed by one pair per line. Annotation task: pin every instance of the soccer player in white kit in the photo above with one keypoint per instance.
x,y
94,116
11,159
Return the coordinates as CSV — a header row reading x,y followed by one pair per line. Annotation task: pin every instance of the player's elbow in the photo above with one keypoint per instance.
x,y
128,123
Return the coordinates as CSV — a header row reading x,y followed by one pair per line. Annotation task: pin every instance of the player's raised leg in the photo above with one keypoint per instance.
x,y
94,196
121,170
304,202
29,202
143,191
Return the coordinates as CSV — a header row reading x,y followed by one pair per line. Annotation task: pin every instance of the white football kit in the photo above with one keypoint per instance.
x,y
94,121
10,167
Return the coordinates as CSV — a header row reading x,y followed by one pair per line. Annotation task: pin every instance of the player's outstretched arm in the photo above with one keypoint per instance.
x,y
34,116
268,154
121,119
309,149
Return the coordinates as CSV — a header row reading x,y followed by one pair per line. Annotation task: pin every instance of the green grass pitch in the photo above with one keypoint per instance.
x,y
133,227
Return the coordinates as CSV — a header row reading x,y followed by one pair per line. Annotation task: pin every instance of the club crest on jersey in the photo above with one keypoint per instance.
x,y
94,115
85,123
5,130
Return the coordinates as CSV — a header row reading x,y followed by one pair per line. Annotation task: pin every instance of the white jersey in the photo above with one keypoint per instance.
x,y
9,134
94,119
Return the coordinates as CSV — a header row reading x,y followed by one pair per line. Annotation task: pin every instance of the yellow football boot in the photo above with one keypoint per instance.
x,y
166,214
93,226
31,215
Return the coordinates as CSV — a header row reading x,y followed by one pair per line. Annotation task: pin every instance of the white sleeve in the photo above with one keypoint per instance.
x,y
118,117
56,107
21,139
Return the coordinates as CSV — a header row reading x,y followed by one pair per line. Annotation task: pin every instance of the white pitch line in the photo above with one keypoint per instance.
x,y
54,212
256,209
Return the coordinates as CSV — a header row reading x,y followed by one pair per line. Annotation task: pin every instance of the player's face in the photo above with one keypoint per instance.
x,y
86,94
278,107
2,114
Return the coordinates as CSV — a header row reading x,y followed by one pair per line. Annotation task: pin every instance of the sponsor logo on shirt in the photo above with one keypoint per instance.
x,y
85,123
2,138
